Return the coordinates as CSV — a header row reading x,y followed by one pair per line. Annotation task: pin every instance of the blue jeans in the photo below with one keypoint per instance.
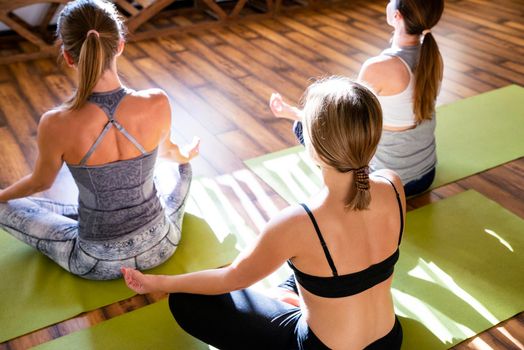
x,y
52,229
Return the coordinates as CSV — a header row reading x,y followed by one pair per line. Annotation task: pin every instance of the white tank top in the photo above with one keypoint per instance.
x,y
411,153
398,109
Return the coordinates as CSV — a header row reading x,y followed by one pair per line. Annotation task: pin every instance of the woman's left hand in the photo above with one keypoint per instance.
x,y
137,281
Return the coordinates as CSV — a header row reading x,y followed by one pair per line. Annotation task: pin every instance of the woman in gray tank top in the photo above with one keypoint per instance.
x,y
406,78
109,136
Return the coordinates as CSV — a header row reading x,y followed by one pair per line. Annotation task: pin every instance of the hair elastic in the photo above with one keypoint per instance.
x,y
362,178
92,31
426,31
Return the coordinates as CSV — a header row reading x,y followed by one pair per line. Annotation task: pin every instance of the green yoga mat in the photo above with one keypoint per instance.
x,y
473,135
460,272
149,328
35,292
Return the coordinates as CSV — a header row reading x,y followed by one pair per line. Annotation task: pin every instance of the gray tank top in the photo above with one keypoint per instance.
x,y
411,153
117,198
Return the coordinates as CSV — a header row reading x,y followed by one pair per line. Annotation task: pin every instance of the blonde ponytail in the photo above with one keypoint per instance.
x,y
344,122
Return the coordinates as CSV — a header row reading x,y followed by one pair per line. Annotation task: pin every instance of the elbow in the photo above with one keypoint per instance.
x,y
39,186
234,280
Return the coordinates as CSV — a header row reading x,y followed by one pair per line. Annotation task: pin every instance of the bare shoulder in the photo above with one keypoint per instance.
x,y
54,119
379,64
155,103
386,177
391,175
379,71
288,221
154,95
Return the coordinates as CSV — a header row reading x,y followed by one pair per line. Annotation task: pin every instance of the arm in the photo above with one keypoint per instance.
x,y
283,110
272,249
48,163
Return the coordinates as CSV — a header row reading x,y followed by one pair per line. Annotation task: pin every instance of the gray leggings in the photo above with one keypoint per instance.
x,y
52,229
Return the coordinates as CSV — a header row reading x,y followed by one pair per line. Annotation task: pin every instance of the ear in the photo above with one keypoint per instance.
x,y
398,16
121,46
68,59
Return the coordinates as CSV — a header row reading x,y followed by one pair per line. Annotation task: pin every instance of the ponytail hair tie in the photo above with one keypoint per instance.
x,y
92,31
362,178
423,34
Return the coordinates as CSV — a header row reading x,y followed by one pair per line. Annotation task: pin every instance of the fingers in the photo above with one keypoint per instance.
x,y
276,103
131,280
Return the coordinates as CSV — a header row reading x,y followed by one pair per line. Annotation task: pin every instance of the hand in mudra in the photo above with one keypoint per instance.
x,y
281,109
183,155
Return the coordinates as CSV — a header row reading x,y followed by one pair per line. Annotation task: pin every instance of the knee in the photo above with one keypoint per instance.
x,y
183,308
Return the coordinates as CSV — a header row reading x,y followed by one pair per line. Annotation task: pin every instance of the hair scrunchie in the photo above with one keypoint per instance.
x,y
362,178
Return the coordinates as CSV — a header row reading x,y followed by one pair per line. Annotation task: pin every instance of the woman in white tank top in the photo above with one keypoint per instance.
x,y
406,78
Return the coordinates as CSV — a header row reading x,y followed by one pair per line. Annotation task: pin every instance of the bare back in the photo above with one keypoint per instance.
x,y
356,240
143,114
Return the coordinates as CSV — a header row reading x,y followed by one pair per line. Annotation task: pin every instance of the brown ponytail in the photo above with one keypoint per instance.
x,y
343,120
419,16
90,32
90,69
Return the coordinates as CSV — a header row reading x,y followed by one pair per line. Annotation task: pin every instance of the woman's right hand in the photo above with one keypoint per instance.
x,y
281,109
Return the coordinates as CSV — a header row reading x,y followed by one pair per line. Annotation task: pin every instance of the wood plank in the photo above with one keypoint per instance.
x,y
267,58
184,96
287,83
222,81
284,42
32,88
327,52
231,69
174,64
21,121
268,141
14,165
317,35
60,86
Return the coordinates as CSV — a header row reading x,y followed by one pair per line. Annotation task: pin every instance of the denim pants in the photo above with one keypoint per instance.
x,y
52,228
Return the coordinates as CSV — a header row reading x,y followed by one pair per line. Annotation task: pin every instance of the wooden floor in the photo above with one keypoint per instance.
x,y
220,82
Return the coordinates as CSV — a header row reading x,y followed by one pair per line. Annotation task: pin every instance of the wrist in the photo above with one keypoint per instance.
x,y
3,197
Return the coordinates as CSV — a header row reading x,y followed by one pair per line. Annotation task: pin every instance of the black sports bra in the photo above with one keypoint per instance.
x,y
353,283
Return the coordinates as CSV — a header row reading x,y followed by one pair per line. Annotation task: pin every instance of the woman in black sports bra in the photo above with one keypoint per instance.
x,y
342,247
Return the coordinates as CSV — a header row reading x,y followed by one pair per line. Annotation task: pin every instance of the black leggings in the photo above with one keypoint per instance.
x,y
246,319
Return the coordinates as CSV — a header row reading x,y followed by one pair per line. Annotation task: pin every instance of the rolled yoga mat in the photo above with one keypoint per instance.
x,y
473,135
35,292
460,272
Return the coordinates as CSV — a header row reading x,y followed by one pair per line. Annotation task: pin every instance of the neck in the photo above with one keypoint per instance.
x,y
337,184
402,39
108,81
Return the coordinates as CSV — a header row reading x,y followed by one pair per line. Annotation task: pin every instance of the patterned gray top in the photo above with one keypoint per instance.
x,y
120,197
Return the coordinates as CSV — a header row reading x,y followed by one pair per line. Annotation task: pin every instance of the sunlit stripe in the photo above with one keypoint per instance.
x,y
501,240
